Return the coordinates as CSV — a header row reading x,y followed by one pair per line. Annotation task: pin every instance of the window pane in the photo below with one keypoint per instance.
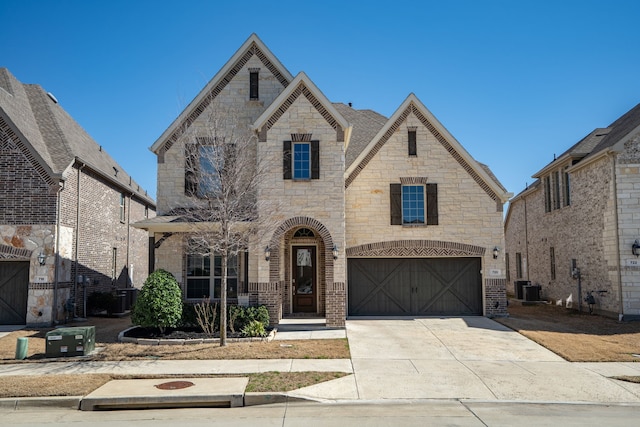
x,y
209,179
301,161
413,204
198,288
232,287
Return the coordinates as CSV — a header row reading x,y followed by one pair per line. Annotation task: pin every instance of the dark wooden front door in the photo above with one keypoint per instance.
x,y
303,279
14,289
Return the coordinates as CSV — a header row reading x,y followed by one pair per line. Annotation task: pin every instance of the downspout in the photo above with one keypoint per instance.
x,y
77,269
129,281
617,224
526,235
54,314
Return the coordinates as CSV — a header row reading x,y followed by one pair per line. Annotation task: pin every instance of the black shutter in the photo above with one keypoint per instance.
x,y
315,159
191,169
286,159
432,204
413,149
396,203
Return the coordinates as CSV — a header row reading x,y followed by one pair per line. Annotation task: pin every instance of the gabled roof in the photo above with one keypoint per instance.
x,y
52,138
578,151
365,123
412,104
302,86
253,46
620,128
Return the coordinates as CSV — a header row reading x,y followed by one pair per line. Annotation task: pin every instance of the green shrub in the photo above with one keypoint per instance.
x,y
239,316
159,303
254,328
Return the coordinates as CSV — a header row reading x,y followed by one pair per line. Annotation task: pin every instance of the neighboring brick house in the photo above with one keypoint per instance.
x,y
583,211
65,212
379,216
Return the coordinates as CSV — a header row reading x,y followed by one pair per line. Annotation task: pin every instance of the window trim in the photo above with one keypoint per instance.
x,y
405,210
294,161
412,144
254,84
212,277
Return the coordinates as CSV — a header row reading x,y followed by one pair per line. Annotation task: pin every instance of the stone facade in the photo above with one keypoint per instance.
x,y
592,226
340,210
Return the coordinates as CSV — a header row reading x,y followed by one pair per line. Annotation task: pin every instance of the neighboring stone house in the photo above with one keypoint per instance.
x,y
583,212
65,212
378,216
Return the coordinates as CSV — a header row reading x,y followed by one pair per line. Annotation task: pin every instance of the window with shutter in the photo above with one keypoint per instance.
x,y
301,160
191,170
414,204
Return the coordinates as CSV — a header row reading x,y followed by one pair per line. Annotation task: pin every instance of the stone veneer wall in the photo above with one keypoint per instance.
x,y
468,213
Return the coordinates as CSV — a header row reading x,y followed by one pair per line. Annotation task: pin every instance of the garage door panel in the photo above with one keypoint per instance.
x,y
415,286
14,285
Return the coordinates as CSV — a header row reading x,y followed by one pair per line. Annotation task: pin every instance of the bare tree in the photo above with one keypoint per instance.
x,y
222,175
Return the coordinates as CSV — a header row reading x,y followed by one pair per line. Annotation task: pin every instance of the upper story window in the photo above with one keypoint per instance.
x,y
253,83
301,158
413,206
205,165
557,190
122,207
412,138
414,202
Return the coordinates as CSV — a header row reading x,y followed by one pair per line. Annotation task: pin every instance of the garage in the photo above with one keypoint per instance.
x,y
14,289
415,286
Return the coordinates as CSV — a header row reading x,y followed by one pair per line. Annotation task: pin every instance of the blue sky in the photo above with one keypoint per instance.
x,y
514,81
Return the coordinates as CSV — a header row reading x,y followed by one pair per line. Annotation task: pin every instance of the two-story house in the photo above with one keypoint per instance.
x,y
376,215
66,209
576,228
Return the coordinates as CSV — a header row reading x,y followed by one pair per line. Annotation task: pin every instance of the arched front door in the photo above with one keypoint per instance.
x,y
304,278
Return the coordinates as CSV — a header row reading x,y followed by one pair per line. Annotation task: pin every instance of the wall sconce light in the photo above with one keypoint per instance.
x,y
335,252
635,248
42,259
496,250
267,253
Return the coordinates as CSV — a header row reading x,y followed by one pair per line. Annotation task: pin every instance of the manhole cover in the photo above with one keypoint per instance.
x,y
174,385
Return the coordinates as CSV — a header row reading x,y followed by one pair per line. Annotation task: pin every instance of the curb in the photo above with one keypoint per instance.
x,y
74,402
69,402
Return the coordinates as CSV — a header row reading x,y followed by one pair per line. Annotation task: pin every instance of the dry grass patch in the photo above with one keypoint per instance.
x,y
577,337
109,349
81,385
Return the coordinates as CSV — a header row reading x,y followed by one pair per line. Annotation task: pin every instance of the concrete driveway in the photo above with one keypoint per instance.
x,y
467,358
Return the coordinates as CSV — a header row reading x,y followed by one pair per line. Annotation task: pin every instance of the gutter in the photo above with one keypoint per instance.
x,y
54,311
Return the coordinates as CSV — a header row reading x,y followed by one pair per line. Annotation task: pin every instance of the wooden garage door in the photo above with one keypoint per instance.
x,y
14,288
415,286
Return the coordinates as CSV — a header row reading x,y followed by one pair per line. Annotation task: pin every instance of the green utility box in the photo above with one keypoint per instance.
x,y
78,341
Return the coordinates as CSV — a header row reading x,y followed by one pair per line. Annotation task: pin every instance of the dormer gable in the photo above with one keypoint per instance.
x,y
302,86
253,46
412,105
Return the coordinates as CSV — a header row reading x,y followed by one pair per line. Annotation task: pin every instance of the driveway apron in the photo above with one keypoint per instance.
x,y
466,358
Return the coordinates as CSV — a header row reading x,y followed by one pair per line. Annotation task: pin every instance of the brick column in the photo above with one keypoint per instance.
x,y
496,294
336,310
268,294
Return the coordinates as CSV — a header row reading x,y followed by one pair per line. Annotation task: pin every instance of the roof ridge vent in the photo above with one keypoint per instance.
x,y
53,98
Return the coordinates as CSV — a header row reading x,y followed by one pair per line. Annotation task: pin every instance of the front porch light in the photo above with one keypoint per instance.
x,y
267,253
635,248
42,258
335,252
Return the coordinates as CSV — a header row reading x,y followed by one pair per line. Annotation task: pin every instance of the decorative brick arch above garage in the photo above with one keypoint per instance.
x,y
415,248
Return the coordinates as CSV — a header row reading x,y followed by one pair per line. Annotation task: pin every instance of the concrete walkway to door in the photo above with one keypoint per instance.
x,y
466,358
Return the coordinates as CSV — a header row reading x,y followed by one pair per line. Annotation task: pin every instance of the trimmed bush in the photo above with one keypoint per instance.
x,y
159,303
